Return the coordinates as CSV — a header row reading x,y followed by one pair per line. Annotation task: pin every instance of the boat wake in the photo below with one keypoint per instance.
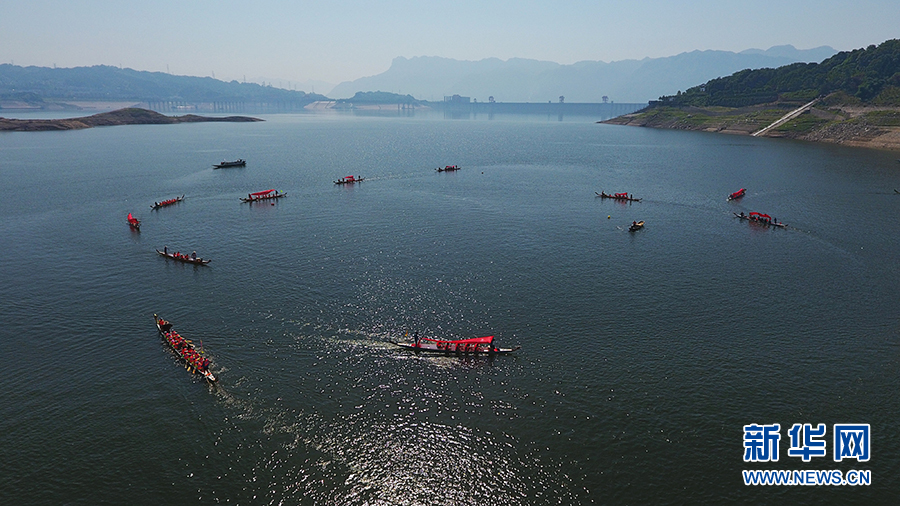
x,y
365,425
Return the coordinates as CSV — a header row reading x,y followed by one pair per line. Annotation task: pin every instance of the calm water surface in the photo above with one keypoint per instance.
x,y
643,354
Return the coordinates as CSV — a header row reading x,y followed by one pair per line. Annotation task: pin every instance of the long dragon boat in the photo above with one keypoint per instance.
x,y
164,203
263,195
194,360
349,180
237,163
183,257
476,345
761,219
738,194
133,222
618,196
448,168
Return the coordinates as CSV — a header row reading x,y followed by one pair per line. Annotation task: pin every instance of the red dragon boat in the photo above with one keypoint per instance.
x,y
164,203
133,222
618,196
349,180
194,360
183,257
761,219
476,345
738,194
263,195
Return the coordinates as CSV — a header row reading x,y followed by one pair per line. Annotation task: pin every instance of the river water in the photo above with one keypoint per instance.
x,y
643,355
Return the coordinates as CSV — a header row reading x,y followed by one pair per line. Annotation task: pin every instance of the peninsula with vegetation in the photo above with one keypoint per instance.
x,y
851,98
129,116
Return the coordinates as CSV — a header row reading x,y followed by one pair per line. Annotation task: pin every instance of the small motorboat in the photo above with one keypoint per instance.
x,y
636,225
236,163
133,222
738,194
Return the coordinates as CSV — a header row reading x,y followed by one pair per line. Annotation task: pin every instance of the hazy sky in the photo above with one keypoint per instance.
x,y
341,40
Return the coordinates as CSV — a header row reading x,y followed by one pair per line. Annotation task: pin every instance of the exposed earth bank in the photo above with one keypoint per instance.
x,y
849,125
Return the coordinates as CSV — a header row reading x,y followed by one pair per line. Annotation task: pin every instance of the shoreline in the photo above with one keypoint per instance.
x,y
334,105
856,126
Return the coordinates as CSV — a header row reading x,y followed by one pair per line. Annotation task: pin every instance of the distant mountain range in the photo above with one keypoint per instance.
x,y
34,85
422,78
523,80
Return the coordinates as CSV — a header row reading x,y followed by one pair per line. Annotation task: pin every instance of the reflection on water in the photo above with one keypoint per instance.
x,y
642,355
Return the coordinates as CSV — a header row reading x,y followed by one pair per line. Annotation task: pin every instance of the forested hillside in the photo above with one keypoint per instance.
x,y
33,84
866,76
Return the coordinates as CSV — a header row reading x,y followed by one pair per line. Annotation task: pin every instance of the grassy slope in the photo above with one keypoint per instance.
x,y
836,119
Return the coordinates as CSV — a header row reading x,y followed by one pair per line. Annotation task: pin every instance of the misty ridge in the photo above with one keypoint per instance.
x,y
523,80
104,82
424,78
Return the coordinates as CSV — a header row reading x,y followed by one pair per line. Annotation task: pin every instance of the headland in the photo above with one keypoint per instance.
x,y
851,98
828,120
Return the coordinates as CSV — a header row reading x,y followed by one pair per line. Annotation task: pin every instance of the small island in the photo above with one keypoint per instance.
x,y
128,116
